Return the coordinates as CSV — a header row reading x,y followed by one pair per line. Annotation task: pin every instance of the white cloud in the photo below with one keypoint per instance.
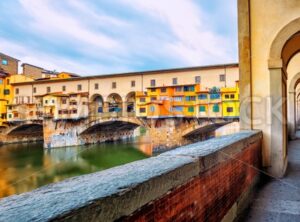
x,y
53,62
52,23
194,40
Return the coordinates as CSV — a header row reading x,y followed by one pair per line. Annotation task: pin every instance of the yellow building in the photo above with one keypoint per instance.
x,y
230,101
168,101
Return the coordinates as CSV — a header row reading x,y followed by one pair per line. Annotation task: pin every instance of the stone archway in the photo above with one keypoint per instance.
x,y
130,103
292,106
285,45
114,103
96,105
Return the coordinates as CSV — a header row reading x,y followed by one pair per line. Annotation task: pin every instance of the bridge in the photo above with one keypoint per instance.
x,y
110,126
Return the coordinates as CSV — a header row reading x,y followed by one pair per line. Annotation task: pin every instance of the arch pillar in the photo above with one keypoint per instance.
x,y
292,120
278,127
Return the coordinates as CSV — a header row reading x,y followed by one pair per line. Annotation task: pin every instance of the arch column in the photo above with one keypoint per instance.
x,y
292,122
278,122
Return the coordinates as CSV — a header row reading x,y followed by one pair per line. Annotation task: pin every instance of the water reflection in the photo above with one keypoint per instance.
x,y
24,167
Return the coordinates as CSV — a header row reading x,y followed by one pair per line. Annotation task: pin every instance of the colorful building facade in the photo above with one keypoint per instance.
x,y
188,101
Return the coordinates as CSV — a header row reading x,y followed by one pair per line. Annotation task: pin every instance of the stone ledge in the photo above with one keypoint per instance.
x,y
113,193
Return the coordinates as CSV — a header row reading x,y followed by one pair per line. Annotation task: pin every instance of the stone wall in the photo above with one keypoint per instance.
x,y
205,181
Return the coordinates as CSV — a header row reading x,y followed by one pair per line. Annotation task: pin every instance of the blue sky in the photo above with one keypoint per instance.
x,y
91,37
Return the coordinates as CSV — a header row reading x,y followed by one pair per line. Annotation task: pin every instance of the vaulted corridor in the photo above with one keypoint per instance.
x,y
279,199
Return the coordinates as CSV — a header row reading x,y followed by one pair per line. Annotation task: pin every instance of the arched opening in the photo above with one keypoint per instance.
x,y
27,130
96,105
284,47
110,127
130,102
114,101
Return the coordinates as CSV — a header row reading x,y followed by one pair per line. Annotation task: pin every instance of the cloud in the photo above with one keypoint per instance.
x,y
97,37
51,22
194,40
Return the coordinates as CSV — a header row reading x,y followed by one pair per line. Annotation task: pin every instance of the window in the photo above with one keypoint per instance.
x,y
63,88
222,78
1,81
178,98
17,91
74,111
46,101
152,108
6,92
142,110
178,108
4,62
226,96
202,108
153,98
10,116
64,101
53,101
48,89
16,115
178,89
79,87
152,82
143,99
215,96
190,98
232,96
132,83
59,112
34,89
96,86
174,81
163,90
216,108
229,109
114,85
202,96
153,90
190,109
197,79
189,88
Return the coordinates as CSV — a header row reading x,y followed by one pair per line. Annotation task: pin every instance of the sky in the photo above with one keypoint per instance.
x,y
94,37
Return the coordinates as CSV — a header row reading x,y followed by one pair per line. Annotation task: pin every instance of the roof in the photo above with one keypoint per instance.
x,y
172,86
23,64
4,55
195,68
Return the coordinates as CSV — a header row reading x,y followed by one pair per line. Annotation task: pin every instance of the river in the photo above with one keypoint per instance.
x,y
24,167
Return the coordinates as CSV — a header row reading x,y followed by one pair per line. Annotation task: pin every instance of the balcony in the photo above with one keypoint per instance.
x,y
205,181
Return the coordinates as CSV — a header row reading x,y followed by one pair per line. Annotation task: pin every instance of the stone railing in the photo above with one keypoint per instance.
x,y
209,180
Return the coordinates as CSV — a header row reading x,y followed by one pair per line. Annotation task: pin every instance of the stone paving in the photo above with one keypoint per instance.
x,y
279,200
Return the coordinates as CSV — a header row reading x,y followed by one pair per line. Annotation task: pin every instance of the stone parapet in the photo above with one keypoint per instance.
x,y
208,180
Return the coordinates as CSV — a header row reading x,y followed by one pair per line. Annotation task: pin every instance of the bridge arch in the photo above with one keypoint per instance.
x,y
27,129
111,125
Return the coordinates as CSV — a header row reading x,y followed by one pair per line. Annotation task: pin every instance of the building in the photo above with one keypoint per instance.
x,y
8,64
188,101
39,73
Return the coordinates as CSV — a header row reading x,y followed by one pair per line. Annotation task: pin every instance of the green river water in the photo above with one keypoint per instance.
x,y
24,167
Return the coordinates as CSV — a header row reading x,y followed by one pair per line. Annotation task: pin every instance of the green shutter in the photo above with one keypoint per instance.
x,y
191,109
216,108
202,109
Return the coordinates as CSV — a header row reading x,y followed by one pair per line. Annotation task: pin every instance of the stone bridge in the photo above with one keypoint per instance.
x,y
164,133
